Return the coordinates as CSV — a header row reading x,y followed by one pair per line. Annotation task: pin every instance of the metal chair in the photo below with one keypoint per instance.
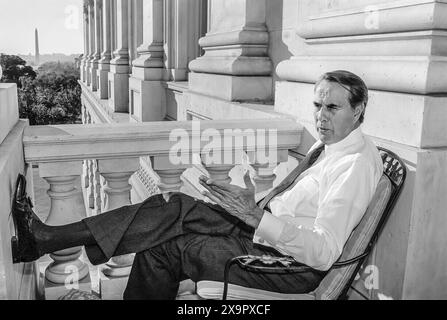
x,y
340,277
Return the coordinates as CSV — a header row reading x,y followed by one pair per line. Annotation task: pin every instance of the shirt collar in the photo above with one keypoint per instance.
x,y
355,137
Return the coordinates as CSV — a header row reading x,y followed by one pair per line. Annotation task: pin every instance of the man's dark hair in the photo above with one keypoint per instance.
x,y
351,82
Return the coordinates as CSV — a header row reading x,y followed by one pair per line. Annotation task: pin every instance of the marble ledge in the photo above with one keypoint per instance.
x,y
392,16
411,74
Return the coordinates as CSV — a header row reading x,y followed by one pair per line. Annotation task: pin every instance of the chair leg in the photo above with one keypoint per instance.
x,y
228,265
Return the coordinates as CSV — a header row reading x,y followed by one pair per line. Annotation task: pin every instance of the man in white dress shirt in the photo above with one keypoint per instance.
x,y
185,238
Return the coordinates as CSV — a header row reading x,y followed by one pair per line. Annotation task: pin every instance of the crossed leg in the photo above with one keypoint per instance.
x,y
183,238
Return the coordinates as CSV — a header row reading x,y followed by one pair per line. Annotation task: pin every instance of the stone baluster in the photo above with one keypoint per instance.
x,y
117,173
85,175
103,185
84,114
264,177
219,165
265,168
220,173
67,206
170,175
91,184
170,180
97,198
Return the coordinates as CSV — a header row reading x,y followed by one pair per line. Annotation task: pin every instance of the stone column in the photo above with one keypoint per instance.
x,y
97,13
117,173
119,66
113,26
67,206
84,63
91,24
398,48
135,27
106,56
183,27
147,94
236,65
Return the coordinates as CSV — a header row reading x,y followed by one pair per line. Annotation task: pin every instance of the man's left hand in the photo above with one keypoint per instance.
x,y
237,201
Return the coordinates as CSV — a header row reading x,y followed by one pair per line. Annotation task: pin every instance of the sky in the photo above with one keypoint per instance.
x,y
59,23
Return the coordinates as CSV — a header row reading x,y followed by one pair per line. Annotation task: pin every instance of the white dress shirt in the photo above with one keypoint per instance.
x,y
313,219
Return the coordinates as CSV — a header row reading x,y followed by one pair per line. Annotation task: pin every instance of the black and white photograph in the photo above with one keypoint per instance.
x,y
197,151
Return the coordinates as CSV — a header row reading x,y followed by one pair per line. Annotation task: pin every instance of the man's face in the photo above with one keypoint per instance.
x,y
334,117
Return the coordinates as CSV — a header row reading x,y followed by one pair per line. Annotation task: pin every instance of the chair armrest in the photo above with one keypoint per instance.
x,y
351,261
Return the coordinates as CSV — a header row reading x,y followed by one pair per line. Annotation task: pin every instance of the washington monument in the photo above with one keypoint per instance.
x,y
37,55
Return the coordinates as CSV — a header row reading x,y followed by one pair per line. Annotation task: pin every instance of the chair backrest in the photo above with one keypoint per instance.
x,y
337,282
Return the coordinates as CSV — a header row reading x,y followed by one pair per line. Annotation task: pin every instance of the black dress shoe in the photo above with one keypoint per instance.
x,y
23,244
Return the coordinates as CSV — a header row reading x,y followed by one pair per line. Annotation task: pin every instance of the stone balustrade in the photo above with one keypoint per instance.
x,y
108,155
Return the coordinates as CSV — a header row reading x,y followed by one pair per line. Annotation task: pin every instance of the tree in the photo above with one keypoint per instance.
x,y
53,97
15,68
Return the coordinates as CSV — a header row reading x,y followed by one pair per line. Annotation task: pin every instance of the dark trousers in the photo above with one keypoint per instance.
x,y
183,239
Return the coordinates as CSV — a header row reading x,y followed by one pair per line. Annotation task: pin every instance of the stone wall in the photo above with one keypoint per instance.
x,y
399,48
15,281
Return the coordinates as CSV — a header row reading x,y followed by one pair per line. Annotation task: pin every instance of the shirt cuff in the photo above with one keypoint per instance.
x,y
270,229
